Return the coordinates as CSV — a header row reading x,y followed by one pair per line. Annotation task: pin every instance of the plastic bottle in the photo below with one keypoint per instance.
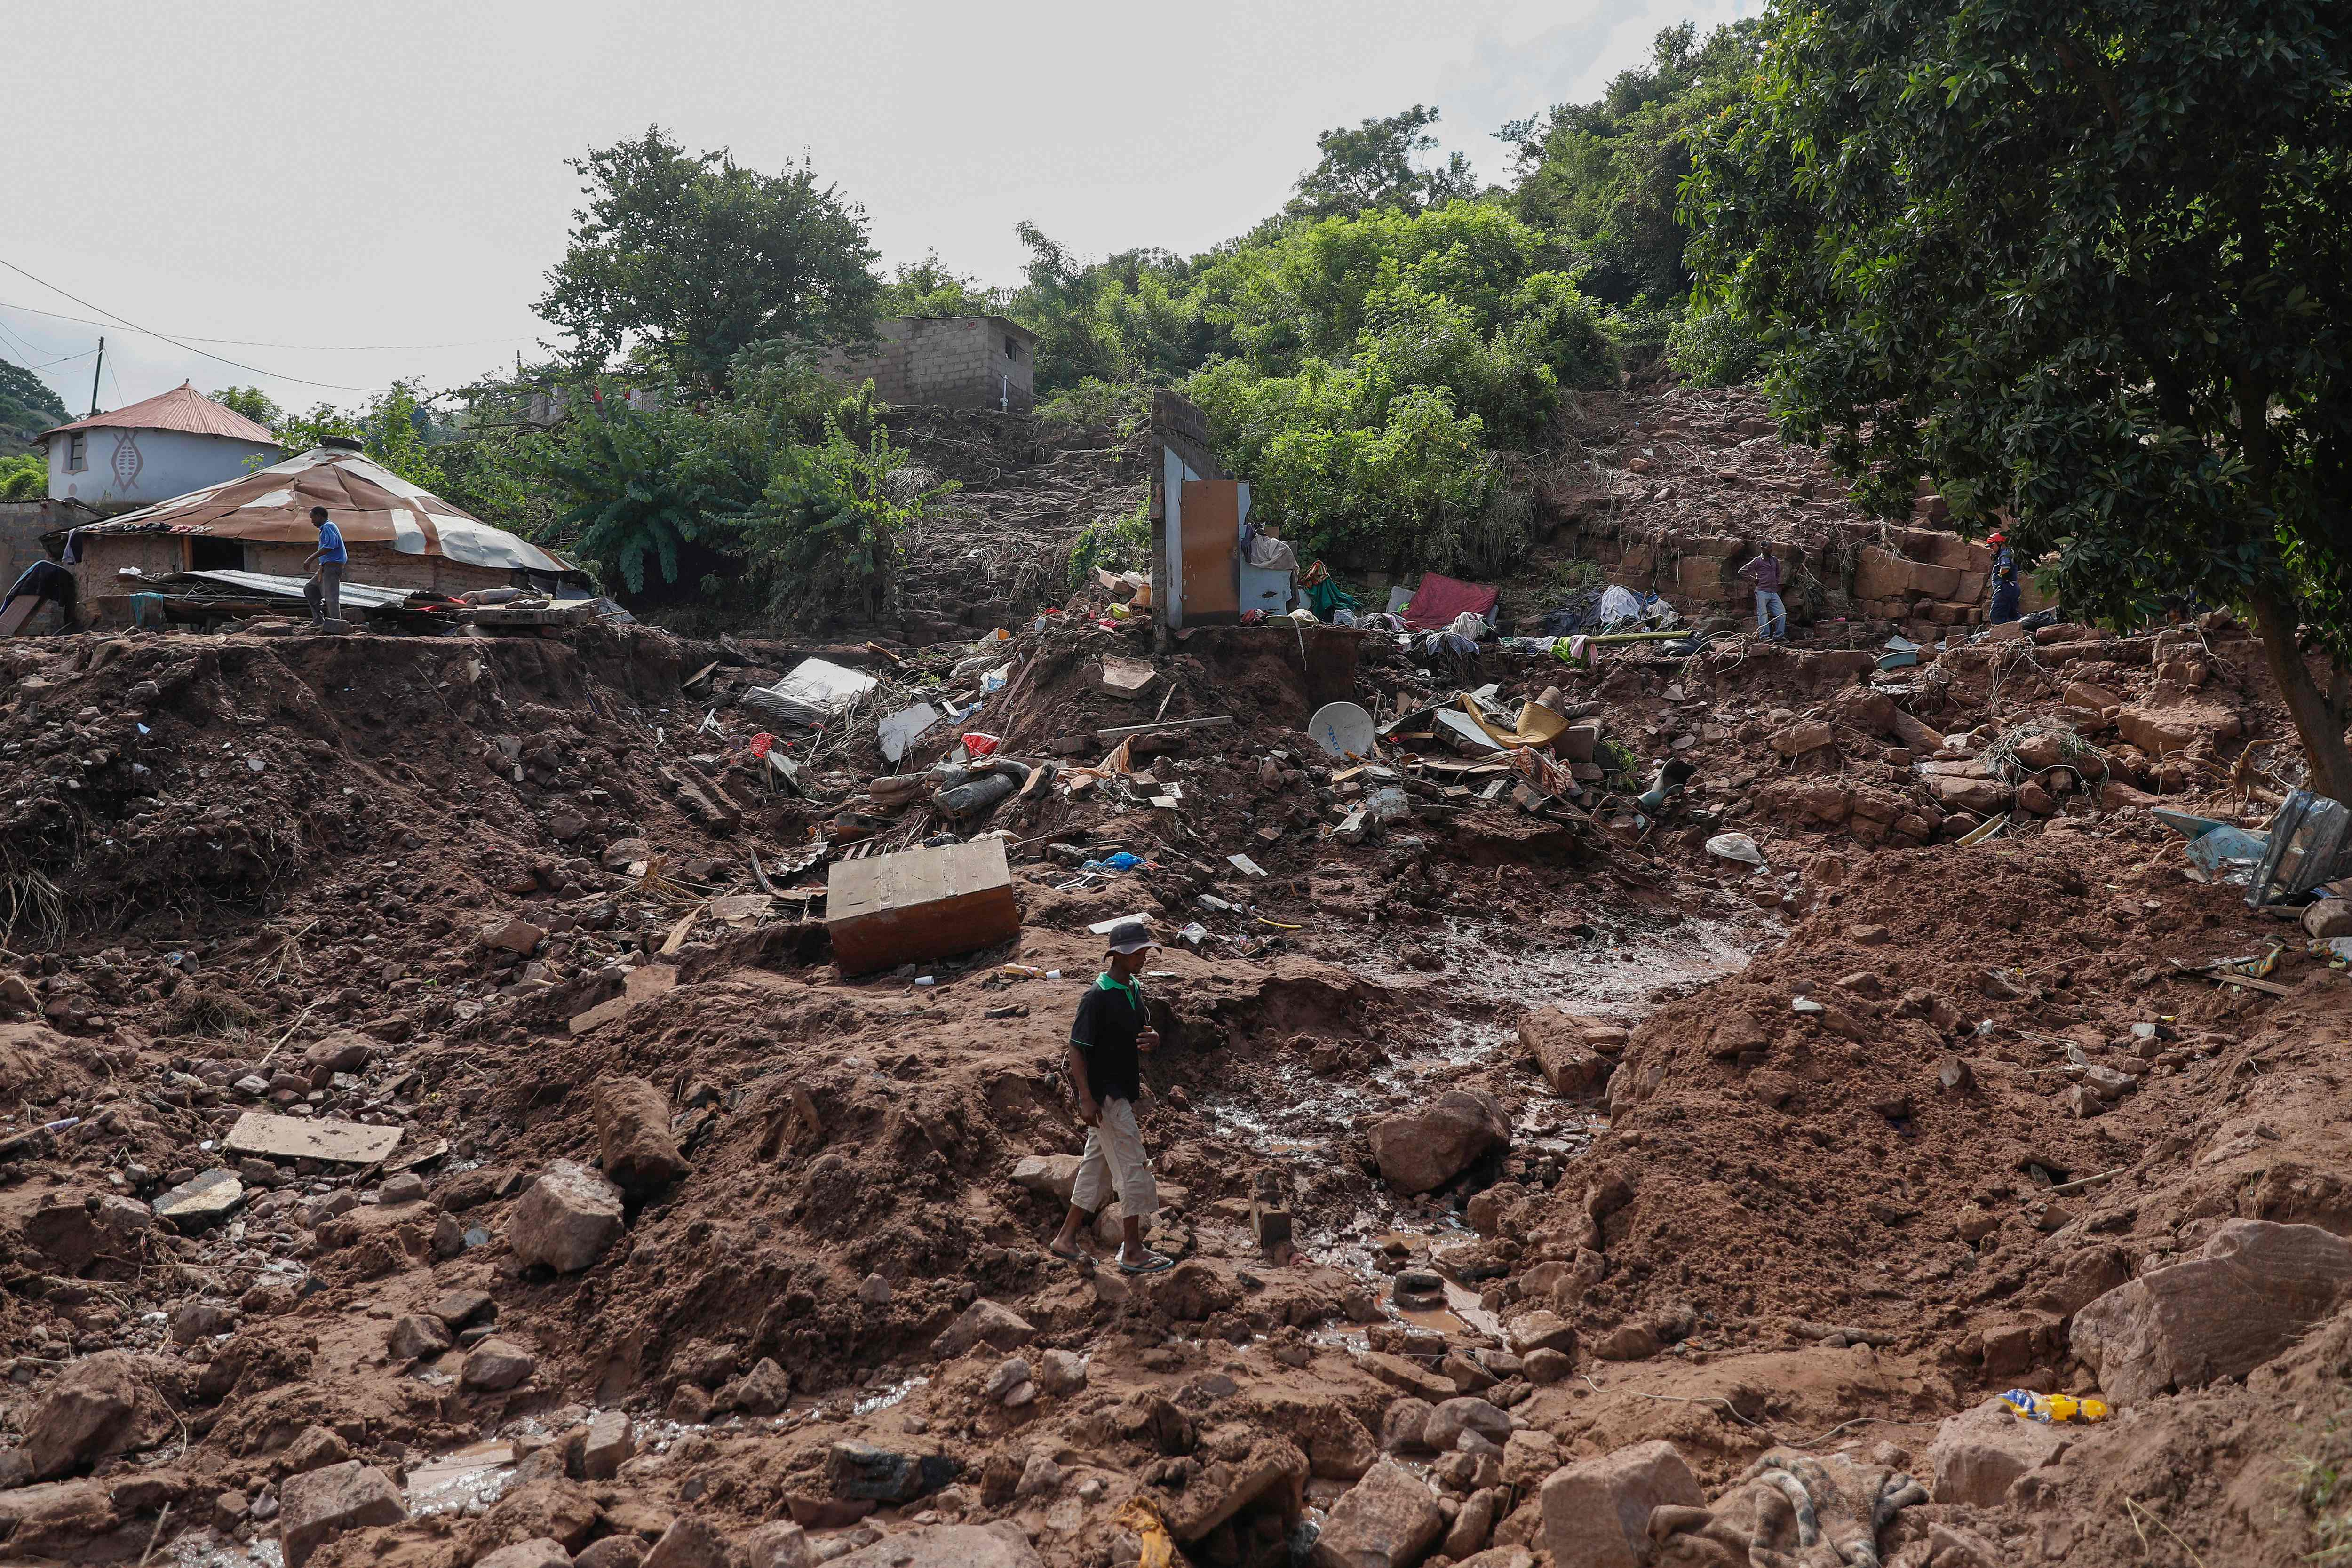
x,y
2027,1405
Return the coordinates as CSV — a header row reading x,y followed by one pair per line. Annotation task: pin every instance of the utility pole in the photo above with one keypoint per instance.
x,y
95,369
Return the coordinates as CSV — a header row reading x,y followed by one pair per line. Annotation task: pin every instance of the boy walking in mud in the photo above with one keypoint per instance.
x,y
1105,1063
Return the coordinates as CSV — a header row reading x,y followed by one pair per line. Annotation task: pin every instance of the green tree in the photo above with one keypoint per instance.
x,y
694,258
250,401
927,288
644,486
2093,262
823,543
23,477
28,406
1605,175
391,429
1374,165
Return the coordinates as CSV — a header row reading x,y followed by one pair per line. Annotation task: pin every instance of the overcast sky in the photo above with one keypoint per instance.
x,y
319,181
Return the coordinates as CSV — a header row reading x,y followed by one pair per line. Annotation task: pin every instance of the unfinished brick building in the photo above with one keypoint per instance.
x,y
948,361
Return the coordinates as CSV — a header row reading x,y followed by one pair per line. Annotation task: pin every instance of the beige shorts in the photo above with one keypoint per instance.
x,y
1114,1163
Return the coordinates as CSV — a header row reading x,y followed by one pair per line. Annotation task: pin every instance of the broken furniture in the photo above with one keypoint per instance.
x,y
919,904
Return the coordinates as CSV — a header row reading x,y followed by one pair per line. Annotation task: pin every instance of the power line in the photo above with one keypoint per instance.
x,y
165,337
250,343
67,360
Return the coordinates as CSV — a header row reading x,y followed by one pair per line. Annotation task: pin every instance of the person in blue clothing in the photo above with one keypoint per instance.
x,y
325,589
2006,589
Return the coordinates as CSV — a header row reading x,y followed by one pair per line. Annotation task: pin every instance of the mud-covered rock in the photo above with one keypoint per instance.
x,y
559,1511
634,1143
567,1220
536,1552
1388,1520
999,1545
1596,1514
1422,1149
315,1507
985,1322
103,1405
1977,1452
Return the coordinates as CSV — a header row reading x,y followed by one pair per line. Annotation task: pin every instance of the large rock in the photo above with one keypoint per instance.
x,y
1569,1048
1955,793
690,1542
326,1502
1273,1470
417,1334
204,1199
612,1442
536,1552
999,1545
557,1510
1596,1514
495,1364
2174,727
779,1543
1420,1150
101,1406
632,1138
1047,1175
1455,1416
1977,1452
1542,1331
983,1324
567,1220
345,1050
2249,1294
1388,1520
762,1391
860,1470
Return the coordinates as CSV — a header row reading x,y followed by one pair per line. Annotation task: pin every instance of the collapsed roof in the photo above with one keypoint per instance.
x,y
369,503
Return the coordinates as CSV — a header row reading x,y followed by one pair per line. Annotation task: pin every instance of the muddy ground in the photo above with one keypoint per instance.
x,y
1631,1142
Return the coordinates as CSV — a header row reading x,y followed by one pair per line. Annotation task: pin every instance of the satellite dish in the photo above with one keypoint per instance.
x,y
1342,728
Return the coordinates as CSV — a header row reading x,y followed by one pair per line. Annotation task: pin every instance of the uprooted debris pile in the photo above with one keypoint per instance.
x,y
440,1125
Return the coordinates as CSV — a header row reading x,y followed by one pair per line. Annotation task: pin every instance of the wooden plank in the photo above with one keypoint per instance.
x,y
317,1138
1120,731
919,904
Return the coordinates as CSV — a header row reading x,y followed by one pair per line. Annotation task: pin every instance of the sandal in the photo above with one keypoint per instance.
x,y
1153,1263
1073,1256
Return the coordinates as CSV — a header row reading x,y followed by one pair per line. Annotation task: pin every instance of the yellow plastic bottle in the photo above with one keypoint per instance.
x,y
2027,1405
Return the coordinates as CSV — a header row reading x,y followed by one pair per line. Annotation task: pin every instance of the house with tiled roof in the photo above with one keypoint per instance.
x,y
151,451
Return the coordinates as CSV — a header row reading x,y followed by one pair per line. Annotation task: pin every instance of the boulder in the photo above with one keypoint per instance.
x,y
632,1138
611,1443
345,1050
1388,1520
558,1510
1000,1545
612,1551
414,1334
1402,1424
2160,731
1955,793
1977,1452
2251,1292
1798,739
690,1542
536,1552
858,1471
201,1200
1273,1471
496,1364
1541,1330
762,1391
1061,1373
102,1406
314,1448
1422,1149
1406,1376
1596,1513
1453,1417
779,1543
1471,1527
985,1322
1562,1048
517,936
323,1503
1047,1175
567,1219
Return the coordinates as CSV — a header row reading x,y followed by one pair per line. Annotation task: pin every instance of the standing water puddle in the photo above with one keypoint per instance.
x,y
1294,1119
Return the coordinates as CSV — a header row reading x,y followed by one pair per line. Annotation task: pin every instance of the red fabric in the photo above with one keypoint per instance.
x,y
1440,599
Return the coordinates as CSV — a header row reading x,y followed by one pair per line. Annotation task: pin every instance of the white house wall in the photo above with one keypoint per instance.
x,y
137,467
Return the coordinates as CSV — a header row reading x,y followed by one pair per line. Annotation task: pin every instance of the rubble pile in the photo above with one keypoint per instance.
x,y
1697,1108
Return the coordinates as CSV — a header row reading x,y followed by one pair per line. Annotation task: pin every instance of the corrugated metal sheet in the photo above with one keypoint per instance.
x,y
361,593
369,503
182,408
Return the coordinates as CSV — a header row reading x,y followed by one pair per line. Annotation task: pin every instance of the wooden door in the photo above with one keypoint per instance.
x,y
1211,523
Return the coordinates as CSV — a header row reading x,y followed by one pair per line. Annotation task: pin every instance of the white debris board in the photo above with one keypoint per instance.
x,y
296,1138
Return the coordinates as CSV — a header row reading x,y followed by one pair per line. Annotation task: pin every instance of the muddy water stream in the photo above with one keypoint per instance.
x,y
1301,1123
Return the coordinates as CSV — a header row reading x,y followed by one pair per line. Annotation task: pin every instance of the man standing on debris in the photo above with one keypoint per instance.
x,y
1112,1029
325,588
2006,590
1771,615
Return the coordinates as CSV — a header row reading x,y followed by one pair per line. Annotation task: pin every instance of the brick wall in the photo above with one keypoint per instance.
x,y
159,554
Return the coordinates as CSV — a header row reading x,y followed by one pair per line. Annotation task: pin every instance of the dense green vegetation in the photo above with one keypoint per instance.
x,y
2090,264
28,408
